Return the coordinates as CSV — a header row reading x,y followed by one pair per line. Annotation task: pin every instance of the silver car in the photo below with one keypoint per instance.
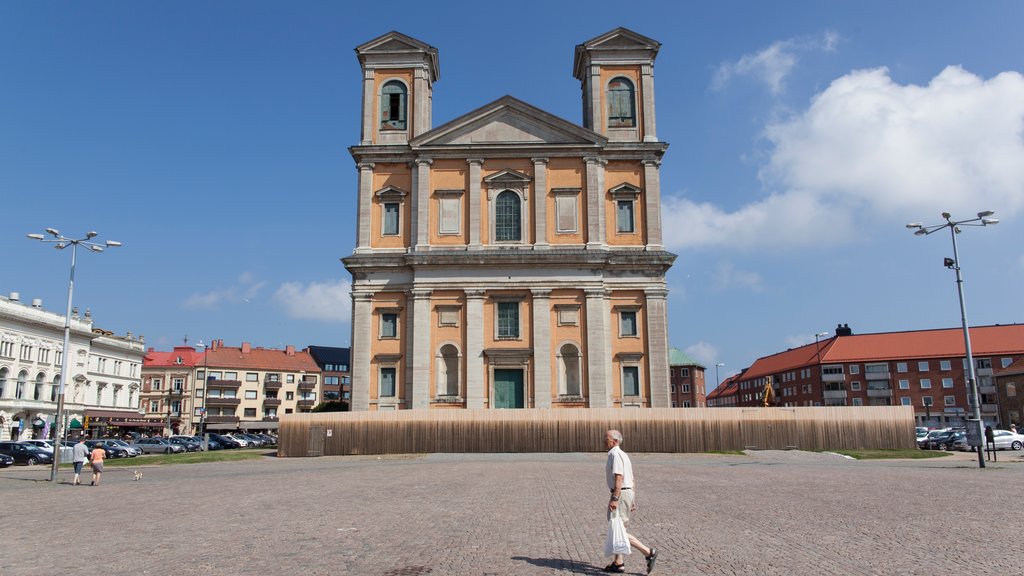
x,y
157,446
1006,440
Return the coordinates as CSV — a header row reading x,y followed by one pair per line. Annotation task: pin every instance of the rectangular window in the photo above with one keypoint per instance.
x,y
387,382
983,363
832,370
904,384
624,216
178,384
947,382
252,377
391,220
905,401
856,402
1004,362
627,323
630,381
854,368
215,375
508,320
684,372
331,380
901,366
950,400
250,412
855,385
117,367
566,210
922,366
450,214
926,383
231,375
389,325
250,394
7,349
44,356
154,405
290,378
157,383
686,388
289,395
26,352
944,365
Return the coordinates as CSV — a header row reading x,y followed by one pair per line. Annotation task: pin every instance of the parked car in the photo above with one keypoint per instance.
x,y
133,451
1006,440
225,441
44,445
269,440
158,446
923,442
6,461
254,439
186,442
25,453
109,450
945,440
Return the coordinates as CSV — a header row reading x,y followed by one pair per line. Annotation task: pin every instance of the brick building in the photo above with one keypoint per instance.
x,y
686,380
335,372
925,369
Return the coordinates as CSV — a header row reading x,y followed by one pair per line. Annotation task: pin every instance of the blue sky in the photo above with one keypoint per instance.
x,y
211,139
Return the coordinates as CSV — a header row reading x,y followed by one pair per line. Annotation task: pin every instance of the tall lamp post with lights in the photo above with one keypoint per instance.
x,y
61,242
817,351
717,381
206,381
983,219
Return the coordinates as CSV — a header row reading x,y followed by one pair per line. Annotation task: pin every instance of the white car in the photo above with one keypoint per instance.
x,y
245,443
1006,440
44,445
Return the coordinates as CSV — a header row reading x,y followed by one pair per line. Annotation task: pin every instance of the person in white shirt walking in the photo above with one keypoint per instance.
x,y
619,473
79,455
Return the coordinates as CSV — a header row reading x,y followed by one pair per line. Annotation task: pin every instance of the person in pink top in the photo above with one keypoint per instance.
x,y
96,458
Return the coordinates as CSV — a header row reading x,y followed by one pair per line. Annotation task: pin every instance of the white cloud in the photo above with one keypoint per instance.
x,y
702,352
773,64
727,276
325,301
868,149
247,290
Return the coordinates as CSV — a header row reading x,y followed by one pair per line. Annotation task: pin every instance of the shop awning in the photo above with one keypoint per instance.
x,y
136,424
224,426
259,425
75,423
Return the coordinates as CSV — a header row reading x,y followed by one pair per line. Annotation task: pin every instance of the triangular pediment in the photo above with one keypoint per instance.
x,y
507,176
621,38
396,49
394,42
511,122
620,44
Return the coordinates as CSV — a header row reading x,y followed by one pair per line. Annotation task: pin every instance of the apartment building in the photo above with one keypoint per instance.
x,y
168,386
686,380
336,375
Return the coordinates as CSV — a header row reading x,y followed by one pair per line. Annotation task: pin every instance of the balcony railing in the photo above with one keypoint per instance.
x,y
306,403
224,383
307,385
990,408
986,389
223,401
833,394
879,393
876,375
271,401
271,384
222,419
448,399
833,377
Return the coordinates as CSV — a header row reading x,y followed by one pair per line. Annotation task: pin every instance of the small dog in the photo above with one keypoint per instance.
x,y
138,475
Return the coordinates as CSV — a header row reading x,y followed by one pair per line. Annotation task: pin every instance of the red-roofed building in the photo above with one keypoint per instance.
x,y
923,368
726,394
1009,383
248,387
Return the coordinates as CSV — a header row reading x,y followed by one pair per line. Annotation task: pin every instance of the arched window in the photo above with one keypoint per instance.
x,y
3,381
507,217
55,388
38,395
448,371
621,103
569,370
19,391
393,105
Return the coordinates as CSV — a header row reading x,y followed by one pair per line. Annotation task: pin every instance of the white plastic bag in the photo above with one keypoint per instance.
x,y
617,541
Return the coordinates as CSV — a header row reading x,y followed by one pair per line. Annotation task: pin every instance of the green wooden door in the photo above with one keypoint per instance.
x,y
508,389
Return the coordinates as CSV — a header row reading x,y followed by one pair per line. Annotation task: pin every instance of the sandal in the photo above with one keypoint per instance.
x,y
613,567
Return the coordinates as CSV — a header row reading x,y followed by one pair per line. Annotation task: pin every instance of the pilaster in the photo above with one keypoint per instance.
x,y
598,348
419,335
421,204
657,347
421,118
368,108
542,348
647,85
361,346
474,202
540,202
652,203
364,207
474,348
594,199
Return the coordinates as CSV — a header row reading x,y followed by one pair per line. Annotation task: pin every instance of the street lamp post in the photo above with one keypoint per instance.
x,y
61,242
717,381
206,381
817,365
983,219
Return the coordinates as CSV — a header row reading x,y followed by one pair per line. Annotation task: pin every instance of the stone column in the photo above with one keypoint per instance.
x,y
598,346
474,202
596,110
647,85
542,348
652,203
368,108
475,349
421,120
540,200
419,337
421,204
657,347
362,331
364,207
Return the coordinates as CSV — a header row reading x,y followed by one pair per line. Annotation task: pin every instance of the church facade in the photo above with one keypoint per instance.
x,y
509,258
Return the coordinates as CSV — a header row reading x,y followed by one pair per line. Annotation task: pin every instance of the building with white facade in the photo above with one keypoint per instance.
x,y
104,371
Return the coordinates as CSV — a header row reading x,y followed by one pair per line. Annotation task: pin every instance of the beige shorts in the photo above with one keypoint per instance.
x,y
625,503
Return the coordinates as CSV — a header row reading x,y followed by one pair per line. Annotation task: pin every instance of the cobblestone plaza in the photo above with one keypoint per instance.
x,y
763,513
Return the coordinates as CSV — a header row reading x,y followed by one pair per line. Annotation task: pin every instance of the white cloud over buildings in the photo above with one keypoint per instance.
x,y
323,301
773,64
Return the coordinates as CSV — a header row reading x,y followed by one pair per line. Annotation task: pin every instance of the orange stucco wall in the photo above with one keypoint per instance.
x,y
633,299
399,176
441,335
449,175
624,172
387,301
631,72
491,167
563,334
567,173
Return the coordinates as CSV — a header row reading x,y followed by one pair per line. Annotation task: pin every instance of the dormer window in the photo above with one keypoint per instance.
x,y
393,106
621,103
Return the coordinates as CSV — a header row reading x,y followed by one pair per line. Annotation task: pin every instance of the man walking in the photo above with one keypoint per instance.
x,y
619,473
79,454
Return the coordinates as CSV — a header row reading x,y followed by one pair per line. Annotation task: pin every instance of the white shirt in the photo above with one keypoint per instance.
x,y
618,463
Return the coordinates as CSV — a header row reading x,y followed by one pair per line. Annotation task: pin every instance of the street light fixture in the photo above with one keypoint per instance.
x,y
206,381
972,382
60,242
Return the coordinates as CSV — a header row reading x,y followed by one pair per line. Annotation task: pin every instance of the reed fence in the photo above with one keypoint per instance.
x,y
582,430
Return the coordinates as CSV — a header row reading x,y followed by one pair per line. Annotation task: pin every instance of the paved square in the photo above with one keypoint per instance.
x,y
766,513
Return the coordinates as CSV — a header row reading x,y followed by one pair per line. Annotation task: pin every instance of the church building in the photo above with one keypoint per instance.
x,y
509,258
